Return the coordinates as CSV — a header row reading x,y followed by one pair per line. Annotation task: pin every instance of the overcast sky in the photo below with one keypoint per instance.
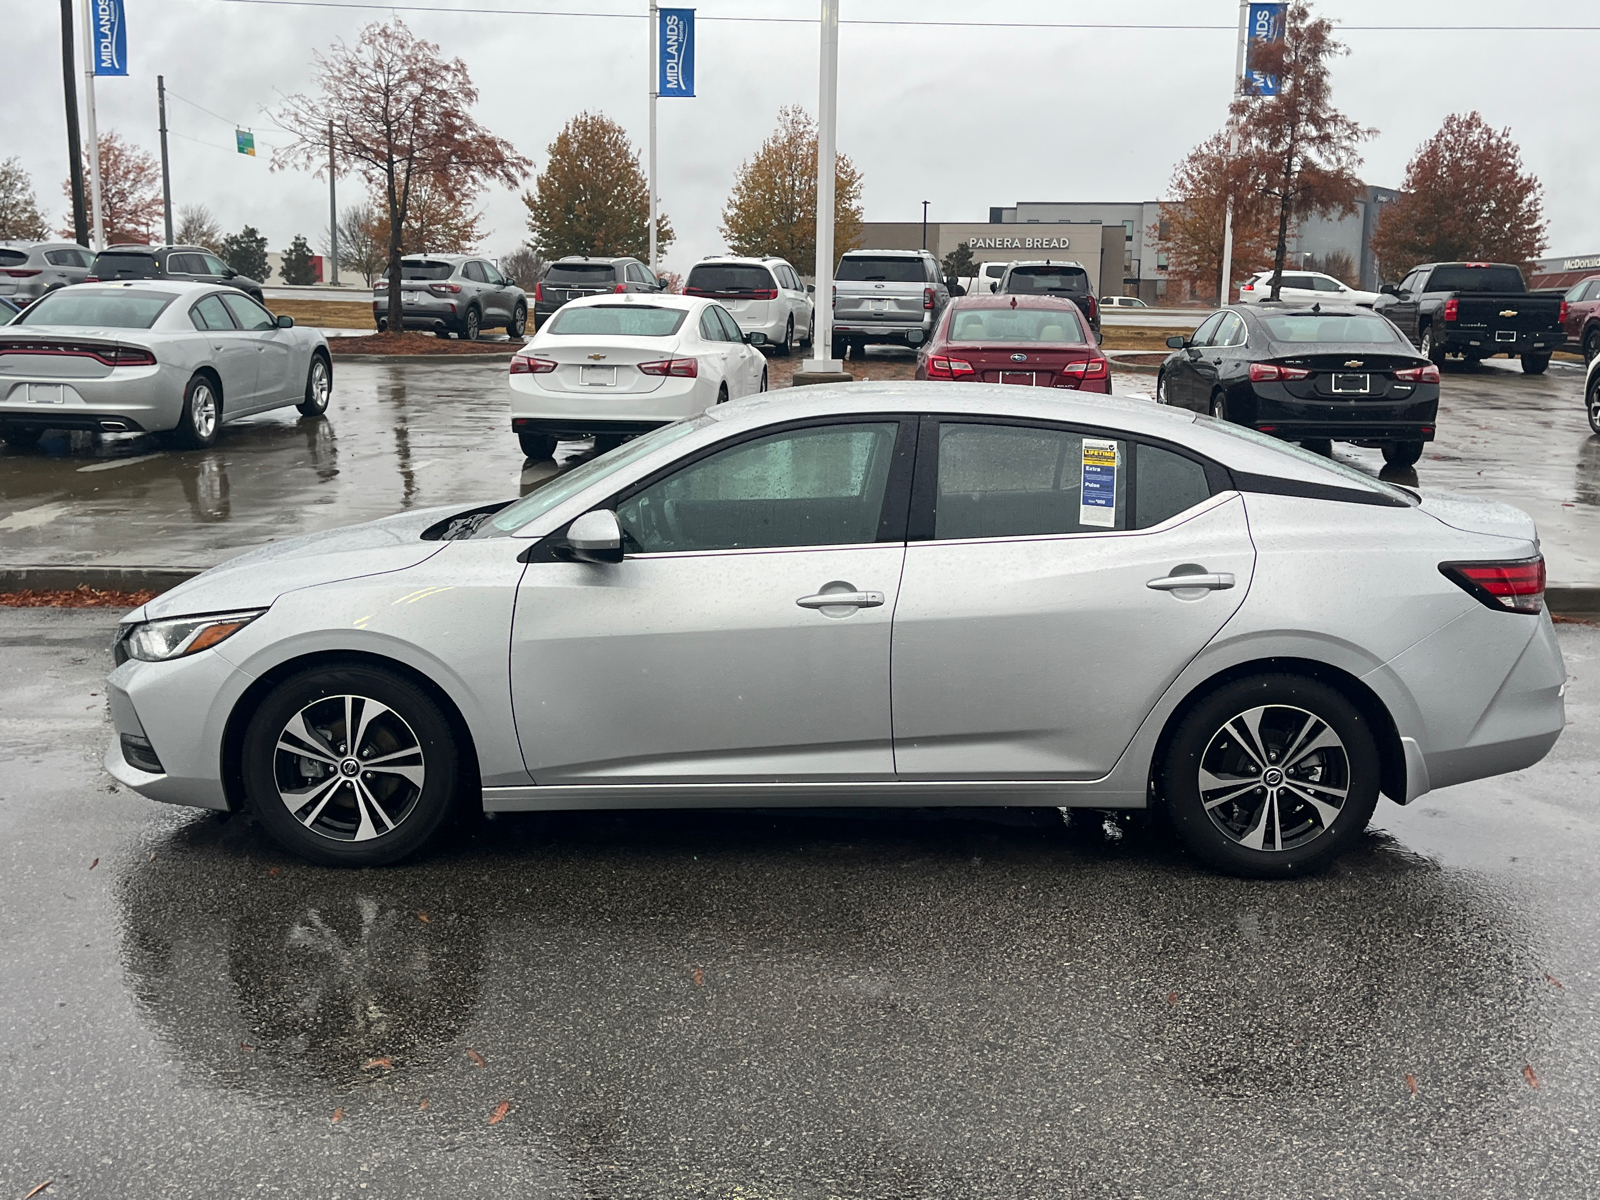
x,y
963,117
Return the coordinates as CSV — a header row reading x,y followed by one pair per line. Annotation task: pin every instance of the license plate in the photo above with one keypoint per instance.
x,y
46,393
1021,378
1505,335
597,376
1346,385
880,306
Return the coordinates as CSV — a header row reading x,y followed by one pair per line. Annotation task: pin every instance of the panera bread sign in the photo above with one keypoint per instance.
x,y
1011,243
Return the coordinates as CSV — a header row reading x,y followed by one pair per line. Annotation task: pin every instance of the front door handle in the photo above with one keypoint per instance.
x,y
841,599
1211,582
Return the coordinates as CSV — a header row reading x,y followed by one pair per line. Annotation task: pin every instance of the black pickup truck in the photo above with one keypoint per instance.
x,y
1475,310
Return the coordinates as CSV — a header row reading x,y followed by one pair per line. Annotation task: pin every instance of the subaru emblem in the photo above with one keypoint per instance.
x,y
1019,358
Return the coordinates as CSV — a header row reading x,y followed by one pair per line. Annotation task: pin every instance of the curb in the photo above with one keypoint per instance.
x,y
1562,600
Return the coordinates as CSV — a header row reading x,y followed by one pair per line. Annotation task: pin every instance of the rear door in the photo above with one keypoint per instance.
x,y
1037,623
232,351
478,288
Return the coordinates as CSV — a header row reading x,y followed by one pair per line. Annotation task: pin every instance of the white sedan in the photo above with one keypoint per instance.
x,y
154,356
611,366
1303,287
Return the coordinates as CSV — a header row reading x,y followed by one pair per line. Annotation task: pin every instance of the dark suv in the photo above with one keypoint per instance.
x,y
580,275
1065,279
194,263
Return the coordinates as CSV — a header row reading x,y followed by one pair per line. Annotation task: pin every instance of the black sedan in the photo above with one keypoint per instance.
x,y
1309,375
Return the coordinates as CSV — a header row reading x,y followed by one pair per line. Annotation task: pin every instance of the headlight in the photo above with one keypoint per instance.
x,y
158,641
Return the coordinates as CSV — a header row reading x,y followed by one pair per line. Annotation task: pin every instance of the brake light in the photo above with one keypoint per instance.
x,y
91,279
1089,307
538,293
835,295
1247,287
129,356
444,289
525,364
1273,373
678,368
620,288
941,367
22,274
927,298
1508,586
1427,374
1563,317
1451,307
764,294
1089,368
111,356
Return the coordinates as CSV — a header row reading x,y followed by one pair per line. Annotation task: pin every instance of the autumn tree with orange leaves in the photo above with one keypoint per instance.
x,y
130,191
1193,218
1465,197
401,120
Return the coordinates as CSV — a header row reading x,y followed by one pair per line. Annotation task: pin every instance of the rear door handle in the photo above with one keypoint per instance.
x,y
852,599
1212,583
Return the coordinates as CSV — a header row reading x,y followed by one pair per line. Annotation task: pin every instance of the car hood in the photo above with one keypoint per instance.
x,y
256,579
1471,515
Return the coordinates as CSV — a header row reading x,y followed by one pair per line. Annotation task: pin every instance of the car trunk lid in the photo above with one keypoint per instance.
x,y
1035,364
612,368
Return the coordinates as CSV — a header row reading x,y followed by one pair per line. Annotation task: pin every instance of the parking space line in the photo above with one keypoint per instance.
x,y
117,462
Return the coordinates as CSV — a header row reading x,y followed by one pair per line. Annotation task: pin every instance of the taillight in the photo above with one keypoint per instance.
x,y
128,356
836,296
1508,586
941,367
1563,317
1089,368
91,279
1089,307
1427,374
621,287
522,364
927,298
764,294
1247,287
538,293
1273,373
444,289
1452,306
22,274
679,368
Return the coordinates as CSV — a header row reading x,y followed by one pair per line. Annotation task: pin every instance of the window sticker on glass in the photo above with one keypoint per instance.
x,y
1097,504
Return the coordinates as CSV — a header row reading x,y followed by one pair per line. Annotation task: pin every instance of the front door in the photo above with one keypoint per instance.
x,y
274,348
1029,642
744,636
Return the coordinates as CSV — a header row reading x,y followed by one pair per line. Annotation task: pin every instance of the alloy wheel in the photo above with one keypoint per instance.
x,y
1594,404
203,412
1274,778
349,768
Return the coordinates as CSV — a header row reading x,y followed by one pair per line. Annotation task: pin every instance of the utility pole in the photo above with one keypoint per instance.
x,y
166,172
654,86
69,89
1233,150
333,215
924,224
94,138
820,369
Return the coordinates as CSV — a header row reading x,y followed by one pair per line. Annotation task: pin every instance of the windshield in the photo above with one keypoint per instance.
x,y
582,274
1015,325
721,281
1361,330
1476,279
1351,474
865,269
97,309
1048,279
617,320
568,484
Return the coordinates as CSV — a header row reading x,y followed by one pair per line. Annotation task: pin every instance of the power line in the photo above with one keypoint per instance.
x,y
205,110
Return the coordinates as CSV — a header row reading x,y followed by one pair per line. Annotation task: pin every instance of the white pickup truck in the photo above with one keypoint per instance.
x,y
886,296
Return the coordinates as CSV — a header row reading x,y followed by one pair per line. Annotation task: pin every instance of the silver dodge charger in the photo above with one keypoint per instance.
x,y
881,594
154,356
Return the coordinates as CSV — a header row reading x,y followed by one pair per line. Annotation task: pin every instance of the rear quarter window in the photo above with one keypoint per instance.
x,y
1165,484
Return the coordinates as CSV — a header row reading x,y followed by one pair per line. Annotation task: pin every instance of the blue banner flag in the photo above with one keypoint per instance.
x,y
109,37
676,69
1265,27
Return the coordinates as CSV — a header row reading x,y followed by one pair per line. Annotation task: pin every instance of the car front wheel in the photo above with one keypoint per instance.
x,y
319,386
1591,344
1535,364
1271,776
350,766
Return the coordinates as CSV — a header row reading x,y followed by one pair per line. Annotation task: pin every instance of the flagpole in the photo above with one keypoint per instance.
x,y
654,86
1233,149
94,139
822,360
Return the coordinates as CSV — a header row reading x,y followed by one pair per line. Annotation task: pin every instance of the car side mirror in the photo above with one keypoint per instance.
x,y
957,290
994,287
595,537
1177,342
229,273
285,321
756,339
811,289
1388,289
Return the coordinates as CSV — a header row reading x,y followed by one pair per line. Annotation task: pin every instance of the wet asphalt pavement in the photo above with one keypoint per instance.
x,y
410,435
795,1006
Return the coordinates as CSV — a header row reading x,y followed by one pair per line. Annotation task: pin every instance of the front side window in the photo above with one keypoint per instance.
x,y
1574,293
1324,284
248,313
818,486
211,313
1021,481
214,265
1202,336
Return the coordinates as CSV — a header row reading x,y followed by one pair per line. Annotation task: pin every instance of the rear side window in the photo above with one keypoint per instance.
x,y
1165,484
1048,279
582,274
210,313
63,258
862,268
474,271
1476,279
104,309
1020,481
12,258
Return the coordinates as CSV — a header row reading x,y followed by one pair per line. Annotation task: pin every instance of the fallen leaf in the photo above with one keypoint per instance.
x,y
338,1115
1173,997
500,1111
1411,1082
38,1189
69,897
247,1047
374,1063
423,917
1556,981
275,871
152,856
699,977
1533,1080
477,1058
94,864
424,1103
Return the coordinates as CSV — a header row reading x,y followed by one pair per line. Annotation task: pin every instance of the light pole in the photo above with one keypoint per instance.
x,y
166,172
818,369
333,215
924,224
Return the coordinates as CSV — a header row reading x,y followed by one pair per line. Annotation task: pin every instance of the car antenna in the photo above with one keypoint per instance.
x,y
1013,302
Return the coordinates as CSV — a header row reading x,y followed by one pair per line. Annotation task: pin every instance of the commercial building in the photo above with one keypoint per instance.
x,y
1099,248
1563,272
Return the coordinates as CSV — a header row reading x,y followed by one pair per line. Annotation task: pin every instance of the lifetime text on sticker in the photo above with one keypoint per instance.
x,y
1097,501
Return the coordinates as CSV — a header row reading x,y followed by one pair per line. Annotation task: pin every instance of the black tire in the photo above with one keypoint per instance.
x,y
1313,826
344,806
1322,446
471,325
605,443
1429,349
1219,407
1161,388
319,386
811,331
1402,454
1591,344
22,437
442,332
519,321
722,394
858,349
1591,401
786,347
763,386
202,414
838,348
1534,364
537,446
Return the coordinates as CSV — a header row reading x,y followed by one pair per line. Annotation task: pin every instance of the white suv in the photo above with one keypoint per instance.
x,y
764,295
1303,287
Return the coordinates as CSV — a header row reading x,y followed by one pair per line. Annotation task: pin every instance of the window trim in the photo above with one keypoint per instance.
x,y
226,311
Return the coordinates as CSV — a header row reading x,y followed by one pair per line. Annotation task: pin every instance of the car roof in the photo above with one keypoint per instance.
x,y
177,287
882,253
455,258
1299,308
1046,262
594,258
745,259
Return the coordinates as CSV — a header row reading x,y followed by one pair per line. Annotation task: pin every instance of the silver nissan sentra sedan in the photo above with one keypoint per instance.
x,y
154,356
880,594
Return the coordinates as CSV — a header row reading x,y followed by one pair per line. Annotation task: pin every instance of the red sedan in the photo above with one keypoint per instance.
x,y
1035,341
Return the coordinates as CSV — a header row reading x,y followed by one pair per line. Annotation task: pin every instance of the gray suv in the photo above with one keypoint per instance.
x,y
581,275
30,269
886,296
453,293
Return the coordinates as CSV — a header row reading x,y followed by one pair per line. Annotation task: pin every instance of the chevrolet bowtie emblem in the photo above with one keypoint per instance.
x,y
596,357
1354,362
1508,312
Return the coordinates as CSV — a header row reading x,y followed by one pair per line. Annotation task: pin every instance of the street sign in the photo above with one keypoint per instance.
x,y
1265,28
110,38
676,69
246,141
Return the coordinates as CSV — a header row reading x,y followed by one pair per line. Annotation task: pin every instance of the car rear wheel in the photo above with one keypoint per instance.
x,y
1402,454
1591,401
472,325
1534,364
202,413
1591,344
722,394
519,321
1430,348
319,386
383,325
785,347
1271,776
763,386
350,766
1219,408
538,446
442,332
22,437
